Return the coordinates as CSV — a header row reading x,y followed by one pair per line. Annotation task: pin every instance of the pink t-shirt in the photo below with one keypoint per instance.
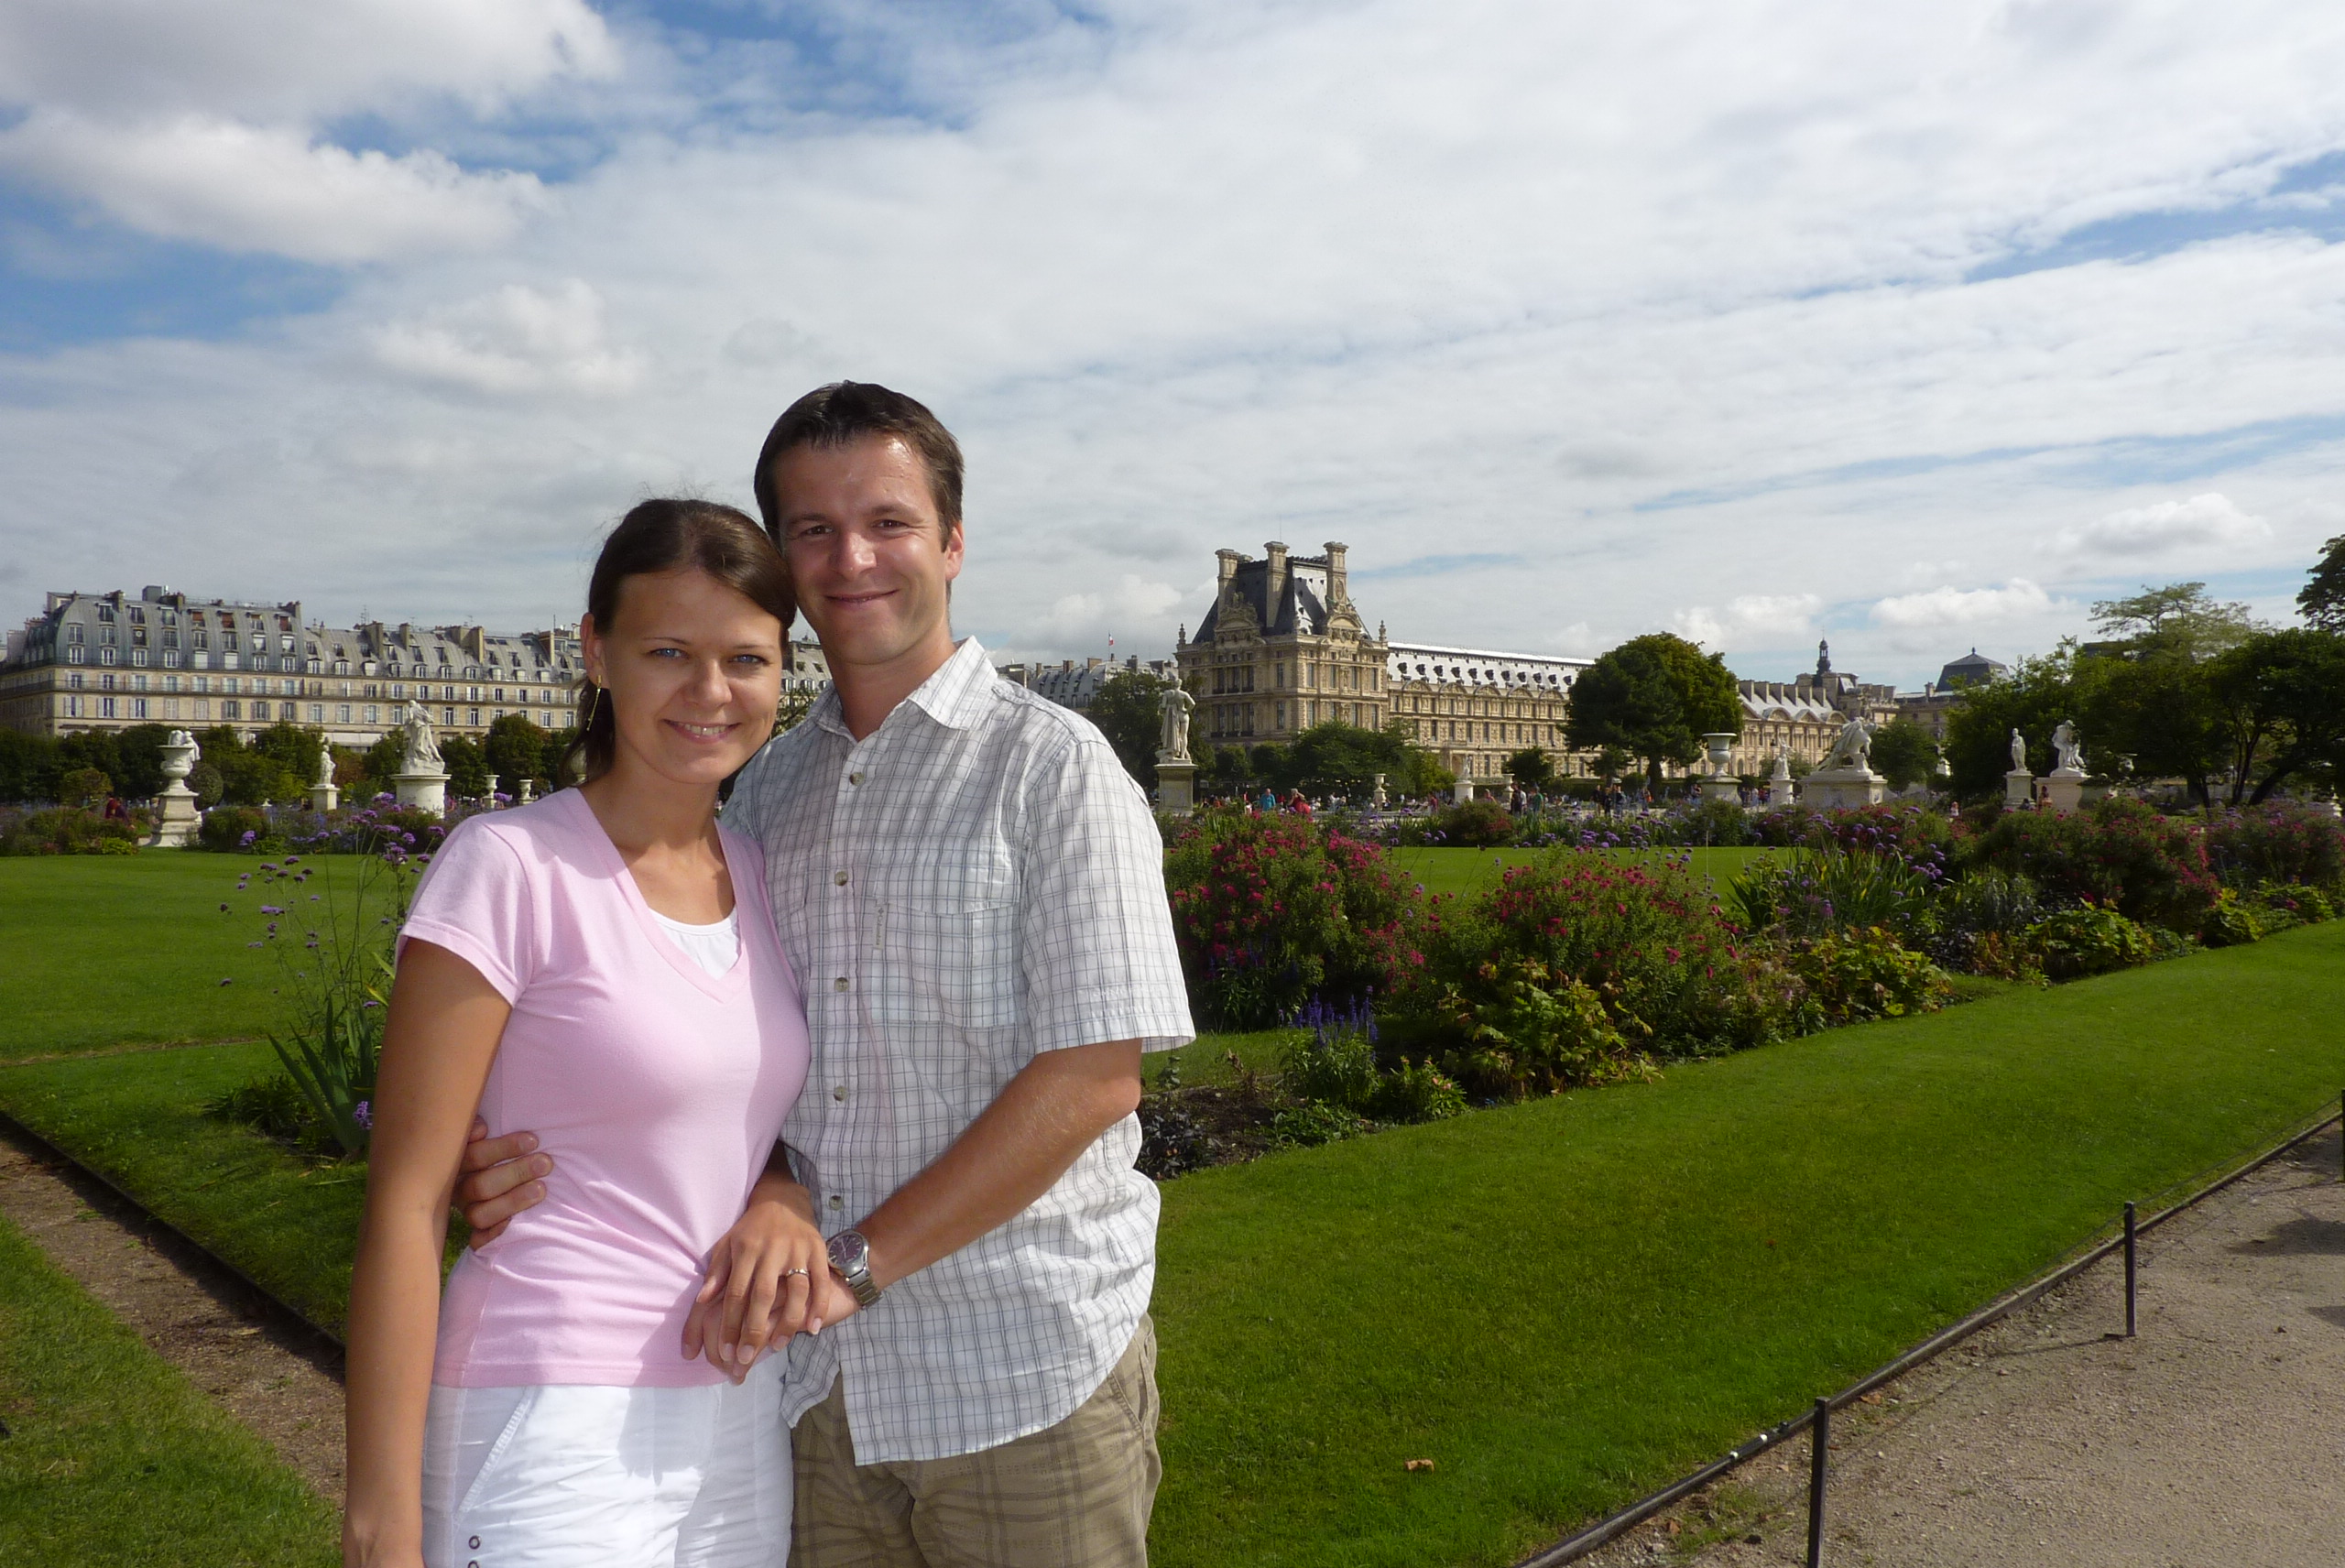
x,y
659,1089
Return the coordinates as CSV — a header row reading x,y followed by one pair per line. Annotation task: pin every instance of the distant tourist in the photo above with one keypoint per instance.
x,y
601,965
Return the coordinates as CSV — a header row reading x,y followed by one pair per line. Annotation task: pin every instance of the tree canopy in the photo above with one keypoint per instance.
x,y
2177,621
1653,698
1904,753
1128,709
2322,600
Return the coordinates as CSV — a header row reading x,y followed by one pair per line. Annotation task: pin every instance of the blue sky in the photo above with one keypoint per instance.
x,y
1917,327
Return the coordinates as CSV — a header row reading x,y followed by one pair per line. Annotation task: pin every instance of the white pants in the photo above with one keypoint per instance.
x,y
567,1475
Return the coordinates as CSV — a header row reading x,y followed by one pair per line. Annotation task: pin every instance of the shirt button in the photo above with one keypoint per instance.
x,y
839,983
838,1091
836,1201
474,1543
839,877
855,778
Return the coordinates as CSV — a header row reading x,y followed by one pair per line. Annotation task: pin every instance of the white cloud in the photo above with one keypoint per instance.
x,y
1749,619
1669,305
517,340
2210,521
1962,606
248,189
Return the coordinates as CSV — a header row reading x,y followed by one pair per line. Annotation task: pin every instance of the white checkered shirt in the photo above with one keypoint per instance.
x,y
976,881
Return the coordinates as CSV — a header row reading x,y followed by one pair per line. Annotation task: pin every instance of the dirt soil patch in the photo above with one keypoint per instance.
x,y
2051,1440
274,1375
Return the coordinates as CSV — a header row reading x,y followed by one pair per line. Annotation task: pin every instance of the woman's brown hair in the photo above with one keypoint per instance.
x,y
673,535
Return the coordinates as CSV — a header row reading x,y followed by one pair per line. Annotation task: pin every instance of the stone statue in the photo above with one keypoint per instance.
x,y
1782,768
2019,752
422,748
1853,749
1175,705
2065,746
325,766
1379,798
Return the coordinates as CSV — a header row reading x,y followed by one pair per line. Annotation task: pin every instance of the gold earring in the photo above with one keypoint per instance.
x,y
594,704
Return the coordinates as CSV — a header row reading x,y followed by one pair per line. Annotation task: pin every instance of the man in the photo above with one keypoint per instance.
x,y
971,891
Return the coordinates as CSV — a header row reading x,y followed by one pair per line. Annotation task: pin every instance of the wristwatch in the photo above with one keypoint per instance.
x,y
851,1261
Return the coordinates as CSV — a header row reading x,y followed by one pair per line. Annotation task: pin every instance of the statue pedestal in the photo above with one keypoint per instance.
x,y
180,817
1838,789
1462,791
2063,788
324,797
1177,786
425,792
1728,790
2019,789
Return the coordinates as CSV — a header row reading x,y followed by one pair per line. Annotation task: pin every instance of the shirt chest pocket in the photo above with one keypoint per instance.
x,y
950,962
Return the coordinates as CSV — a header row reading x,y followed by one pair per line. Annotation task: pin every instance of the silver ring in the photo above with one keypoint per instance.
x,y
788,1272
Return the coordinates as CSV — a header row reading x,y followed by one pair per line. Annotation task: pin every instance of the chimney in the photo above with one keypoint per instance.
x,y
1273,582
1093,664
1227,561
1337,593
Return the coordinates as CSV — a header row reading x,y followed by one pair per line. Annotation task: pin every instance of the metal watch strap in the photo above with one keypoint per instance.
x,y
856,1273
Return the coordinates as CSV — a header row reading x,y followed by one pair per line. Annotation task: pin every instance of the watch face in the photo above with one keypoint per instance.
x,y
848,1251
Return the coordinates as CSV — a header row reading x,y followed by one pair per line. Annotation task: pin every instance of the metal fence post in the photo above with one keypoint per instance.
x,y
2129,1271
1820,1462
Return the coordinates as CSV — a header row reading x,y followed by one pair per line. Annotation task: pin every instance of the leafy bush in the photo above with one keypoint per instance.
x,y
1505,974
1867,973
1979,923
1272,910
2118,853
2293,904
2232,922
1710,822
1418,1092
85,787
238,830
2091,940
2280,842
1811,893
1477,824
1308,1127
68,830
1332,1067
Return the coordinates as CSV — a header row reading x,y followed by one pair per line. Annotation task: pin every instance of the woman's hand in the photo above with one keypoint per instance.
x,y
762,1279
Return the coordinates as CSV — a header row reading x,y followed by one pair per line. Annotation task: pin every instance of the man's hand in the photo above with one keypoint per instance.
x,y
766,1280
499,1177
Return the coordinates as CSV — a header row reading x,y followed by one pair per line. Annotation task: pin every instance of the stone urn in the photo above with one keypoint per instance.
x,y
179,818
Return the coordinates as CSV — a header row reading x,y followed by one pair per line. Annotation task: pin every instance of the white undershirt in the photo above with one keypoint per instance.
x,y
714,948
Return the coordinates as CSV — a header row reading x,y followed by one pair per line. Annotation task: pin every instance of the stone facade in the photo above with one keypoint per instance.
x,y
96,661
1073,685
1473,709
1803,715
1281,648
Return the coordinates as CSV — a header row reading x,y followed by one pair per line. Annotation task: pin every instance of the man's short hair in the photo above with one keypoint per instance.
x,y
848,411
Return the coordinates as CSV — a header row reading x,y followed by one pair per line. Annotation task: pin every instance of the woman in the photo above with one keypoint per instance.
x,y
601,968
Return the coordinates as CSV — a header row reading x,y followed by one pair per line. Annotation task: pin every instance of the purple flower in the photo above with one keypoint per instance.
x,y
229,981
271,910
363,1112
250,834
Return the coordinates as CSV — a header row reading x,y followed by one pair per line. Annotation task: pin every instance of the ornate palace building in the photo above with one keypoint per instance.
x,y
106,661
1283,648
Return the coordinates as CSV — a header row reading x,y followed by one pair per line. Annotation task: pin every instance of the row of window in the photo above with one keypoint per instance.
x,y
1239,678
76,707
1476,706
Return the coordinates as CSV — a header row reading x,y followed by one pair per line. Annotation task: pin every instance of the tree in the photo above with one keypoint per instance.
x,y
467,766
2151,718
29,767
1337,758
1532,768
2282,696
1654,697
140,751
2038,694
514,751
1904,753
383,759
1128,709
788,714
2323,599
2175,621
248,776
295,750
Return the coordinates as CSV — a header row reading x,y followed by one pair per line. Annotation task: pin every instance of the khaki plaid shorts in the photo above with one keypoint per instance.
x,y
1076,1495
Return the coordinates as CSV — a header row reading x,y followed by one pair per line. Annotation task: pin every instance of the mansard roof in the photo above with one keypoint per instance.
x,y
1301,607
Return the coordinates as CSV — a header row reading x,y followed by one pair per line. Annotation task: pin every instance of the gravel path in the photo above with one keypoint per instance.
x,y
2211,1440
279,1380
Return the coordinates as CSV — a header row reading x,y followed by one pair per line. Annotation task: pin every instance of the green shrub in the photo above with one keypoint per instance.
x,y
1810,893
1270,911
2088,941
68,830
2119,853
1524,1030
2296,904
2278,842
1710,822
235,829
1867,973
84,787
1474,825
2232,922
1308,1127
1332,1067
1417,1092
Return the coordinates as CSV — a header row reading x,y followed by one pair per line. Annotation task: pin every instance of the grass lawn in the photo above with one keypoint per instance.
x,y
113,1460
1471,870
104,950
288,1222
1565,1304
